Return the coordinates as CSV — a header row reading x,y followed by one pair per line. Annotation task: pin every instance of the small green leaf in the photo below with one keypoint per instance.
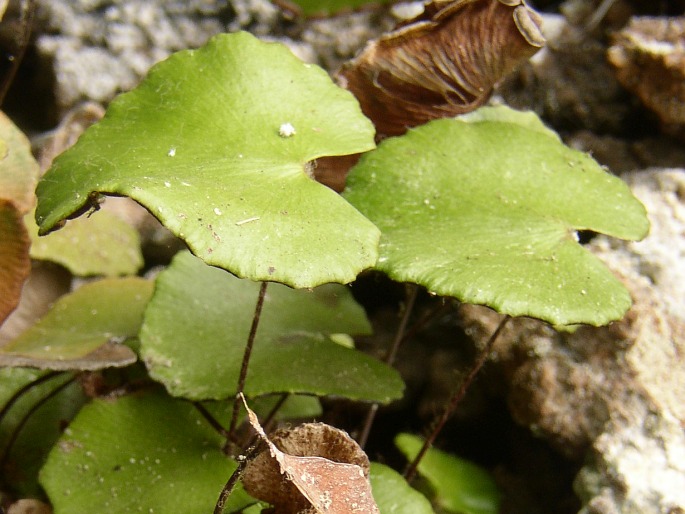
x,y
215,143
320,7
486,208
316,365
197,324
460,486
394,495
101,244
41,430
145,453
84,329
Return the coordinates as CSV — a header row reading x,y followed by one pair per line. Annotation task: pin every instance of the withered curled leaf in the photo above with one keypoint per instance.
x,y
312,468
444,62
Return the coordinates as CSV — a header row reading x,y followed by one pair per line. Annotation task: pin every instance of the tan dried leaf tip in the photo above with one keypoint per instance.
x,y
312,468
649,59
444,62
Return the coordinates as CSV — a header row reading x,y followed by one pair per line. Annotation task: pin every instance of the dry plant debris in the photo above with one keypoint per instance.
x,y
444,62
312,468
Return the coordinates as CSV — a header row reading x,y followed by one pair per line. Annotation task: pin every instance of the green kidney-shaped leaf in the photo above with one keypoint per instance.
x,y
459,485
394,495
84,330
145,453
215,143
101,244
486,208
199,318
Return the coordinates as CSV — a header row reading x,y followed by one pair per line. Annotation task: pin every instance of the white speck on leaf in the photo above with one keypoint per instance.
x,y
286,130
217,211
172,151
248,220
167,184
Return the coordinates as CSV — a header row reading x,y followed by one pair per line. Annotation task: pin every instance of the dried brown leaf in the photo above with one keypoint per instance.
x,y
15,264
444,62
324,471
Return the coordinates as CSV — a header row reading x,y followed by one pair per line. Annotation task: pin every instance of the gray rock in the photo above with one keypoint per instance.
x,y
338,39
101,48
637,466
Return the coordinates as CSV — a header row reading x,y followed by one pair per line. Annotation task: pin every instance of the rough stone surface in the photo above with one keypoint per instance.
x,y
637,466
100,48
340,38
649,58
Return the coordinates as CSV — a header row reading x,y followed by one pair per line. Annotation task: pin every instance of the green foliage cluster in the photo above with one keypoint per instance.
x,y
217,144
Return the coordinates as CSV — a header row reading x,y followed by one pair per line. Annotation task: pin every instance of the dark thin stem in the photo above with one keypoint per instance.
x,y
233,480
399,335
390,359
28,9
211,420
455,400
246,358
368,422
373,410
25,390
425,320
27,416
